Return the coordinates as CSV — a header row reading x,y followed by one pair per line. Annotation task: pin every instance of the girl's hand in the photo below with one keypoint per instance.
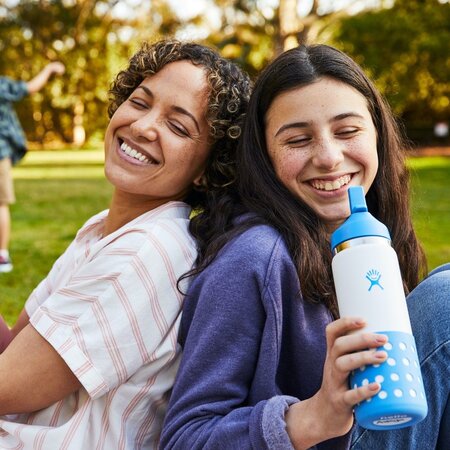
x,y
329,413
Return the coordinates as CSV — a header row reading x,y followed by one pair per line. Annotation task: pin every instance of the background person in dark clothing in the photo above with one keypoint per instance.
x,y
13,146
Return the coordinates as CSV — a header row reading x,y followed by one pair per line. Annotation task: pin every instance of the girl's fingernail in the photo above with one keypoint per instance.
x,y
380,355
359,321
381,338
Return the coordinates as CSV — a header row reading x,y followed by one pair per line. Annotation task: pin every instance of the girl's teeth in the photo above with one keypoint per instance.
x,y
331,185
133,153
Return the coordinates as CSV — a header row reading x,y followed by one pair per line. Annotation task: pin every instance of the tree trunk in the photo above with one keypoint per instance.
x,y
79,133
289,23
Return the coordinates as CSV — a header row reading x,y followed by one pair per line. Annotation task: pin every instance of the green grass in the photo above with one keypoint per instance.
x,y
57,191
430,199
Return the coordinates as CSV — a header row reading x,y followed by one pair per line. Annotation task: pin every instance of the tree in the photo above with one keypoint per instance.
x,y
35,32
77,32
94,38
405,49
252,32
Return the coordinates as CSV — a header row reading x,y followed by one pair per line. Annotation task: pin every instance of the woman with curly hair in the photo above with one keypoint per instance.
x,y
93,355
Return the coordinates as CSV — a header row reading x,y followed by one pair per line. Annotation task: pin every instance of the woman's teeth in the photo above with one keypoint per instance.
x,y
134,153
331,185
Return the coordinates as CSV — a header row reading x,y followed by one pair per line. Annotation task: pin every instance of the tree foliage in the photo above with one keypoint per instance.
x,y
253,32
406,50
34,32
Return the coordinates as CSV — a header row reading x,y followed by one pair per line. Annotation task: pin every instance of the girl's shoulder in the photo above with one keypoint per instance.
x,y
259,239
252,250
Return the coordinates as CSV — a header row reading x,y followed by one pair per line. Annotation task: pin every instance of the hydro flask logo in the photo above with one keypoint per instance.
x,y
374,277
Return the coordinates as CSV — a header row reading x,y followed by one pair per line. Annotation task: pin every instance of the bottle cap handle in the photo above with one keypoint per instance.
x,y
357,199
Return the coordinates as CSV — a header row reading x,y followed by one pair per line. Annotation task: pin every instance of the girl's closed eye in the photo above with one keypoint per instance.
x,y
347,131
297,141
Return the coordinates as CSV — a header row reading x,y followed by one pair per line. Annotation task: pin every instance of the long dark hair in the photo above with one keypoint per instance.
x,y
261,192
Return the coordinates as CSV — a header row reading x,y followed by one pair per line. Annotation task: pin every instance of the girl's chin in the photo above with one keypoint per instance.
x,y
333,220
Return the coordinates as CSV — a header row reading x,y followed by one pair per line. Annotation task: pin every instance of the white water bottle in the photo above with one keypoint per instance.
x,y
369,284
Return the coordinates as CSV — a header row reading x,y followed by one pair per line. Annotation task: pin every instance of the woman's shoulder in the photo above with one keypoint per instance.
x,y
166,229
168,219
174,211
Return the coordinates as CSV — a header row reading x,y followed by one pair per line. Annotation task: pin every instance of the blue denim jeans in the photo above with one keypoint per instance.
x,y
429,310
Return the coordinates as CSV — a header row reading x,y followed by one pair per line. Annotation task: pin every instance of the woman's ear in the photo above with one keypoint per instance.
x,y
200,182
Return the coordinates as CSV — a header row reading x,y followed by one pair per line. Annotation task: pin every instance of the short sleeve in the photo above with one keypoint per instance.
x,y
45,287
48,285
115,313
12,90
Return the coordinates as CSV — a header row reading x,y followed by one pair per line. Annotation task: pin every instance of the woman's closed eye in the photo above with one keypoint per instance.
x,y
174,125
178,128
139,103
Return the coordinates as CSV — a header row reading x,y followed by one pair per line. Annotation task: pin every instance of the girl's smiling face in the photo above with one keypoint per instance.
x,y
321,139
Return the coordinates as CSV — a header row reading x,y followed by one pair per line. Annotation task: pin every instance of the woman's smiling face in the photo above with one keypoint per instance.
x,y
321,139
156,144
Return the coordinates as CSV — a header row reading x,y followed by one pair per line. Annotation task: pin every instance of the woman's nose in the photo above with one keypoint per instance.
x,y
328,154
145,127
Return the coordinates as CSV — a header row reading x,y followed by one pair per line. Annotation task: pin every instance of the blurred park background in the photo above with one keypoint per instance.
x,y
402,44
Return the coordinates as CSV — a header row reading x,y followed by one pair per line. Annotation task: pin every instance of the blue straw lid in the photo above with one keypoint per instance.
x,y
360,223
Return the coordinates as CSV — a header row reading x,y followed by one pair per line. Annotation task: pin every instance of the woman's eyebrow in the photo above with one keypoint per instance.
x,y
181,110
178,109
146,90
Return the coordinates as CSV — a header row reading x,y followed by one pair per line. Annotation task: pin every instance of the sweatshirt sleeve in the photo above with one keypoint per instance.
x,y
209,407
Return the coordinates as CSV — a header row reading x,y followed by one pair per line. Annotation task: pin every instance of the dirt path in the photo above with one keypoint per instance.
x,y
430,151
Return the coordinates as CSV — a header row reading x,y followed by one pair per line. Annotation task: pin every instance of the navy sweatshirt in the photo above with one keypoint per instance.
x,y
251,347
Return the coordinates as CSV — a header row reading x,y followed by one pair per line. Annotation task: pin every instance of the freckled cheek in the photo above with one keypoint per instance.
x,y
288,165
366,155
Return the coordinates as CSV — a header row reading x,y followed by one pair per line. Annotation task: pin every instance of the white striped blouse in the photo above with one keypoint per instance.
x,y
110,307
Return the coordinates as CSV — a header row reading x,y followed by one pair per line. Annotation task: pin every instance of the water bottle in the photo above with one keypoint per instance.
x,y
369,284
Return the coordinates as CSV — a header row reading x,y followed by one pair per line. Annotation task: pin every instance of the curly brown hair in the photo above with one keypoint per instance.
x,y
229,91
